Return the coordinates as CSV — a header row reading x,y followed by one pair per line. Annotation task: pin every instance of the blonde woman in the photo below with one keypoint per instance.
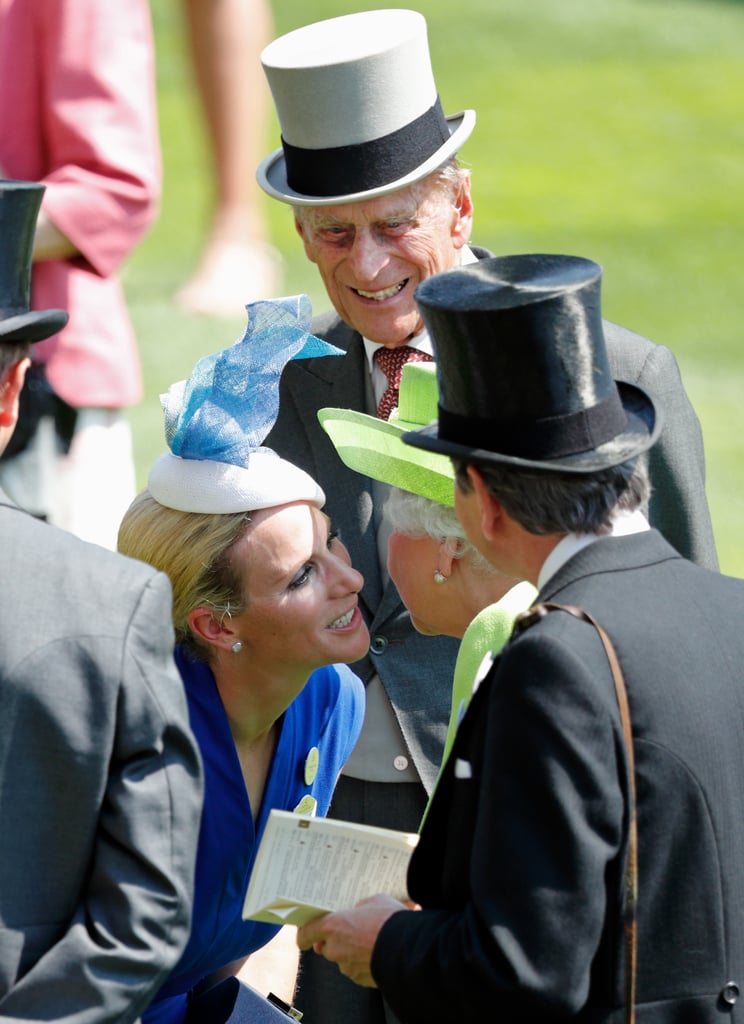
x,y
265,608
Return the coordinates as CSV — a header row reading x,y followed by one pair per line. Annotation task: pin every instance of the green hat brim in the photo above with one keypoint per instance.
x,y
375,448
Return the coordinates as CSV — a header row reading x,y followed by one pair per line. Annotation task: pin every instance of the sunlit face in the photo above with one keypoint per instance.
x,y
301,591
371,255
411,564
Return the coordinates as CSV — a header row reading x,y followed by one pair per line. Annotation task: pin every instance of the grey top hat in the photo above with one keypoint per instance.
x,y
358,108
19,208
524,377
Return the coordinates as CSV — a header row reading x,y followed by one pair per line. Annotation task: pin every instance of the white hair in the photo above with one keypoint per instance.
x,y
416,516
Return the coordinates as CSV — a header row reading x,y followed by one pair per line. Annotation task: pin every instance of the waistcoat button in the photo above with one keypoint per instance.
x,y
730,993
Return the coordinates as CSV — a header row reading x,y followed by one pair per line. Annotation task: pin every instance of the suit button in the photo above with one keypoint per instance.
x,y
730,993
378,644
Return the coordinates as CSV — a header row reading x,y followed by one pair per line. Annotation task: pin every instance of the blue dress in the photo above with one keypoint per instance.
x,y
325,717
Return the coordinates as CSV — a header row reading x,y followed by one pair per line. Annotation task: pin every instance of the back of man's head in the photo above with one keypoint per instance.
x,y
544,503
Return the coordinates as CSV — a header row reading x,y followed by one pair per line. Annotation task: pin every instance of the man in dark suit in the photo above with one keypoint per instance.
x,y
521,873
100,777
369,166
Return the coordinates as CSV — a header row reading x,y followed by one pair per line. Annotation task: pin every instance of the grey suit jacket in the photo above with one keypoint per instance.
x,y
520,865
678,506
417,671
100,780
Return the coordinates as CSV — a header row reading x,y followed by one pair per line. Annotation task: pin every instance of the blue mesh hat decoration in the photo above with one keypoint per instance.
x,y
217,420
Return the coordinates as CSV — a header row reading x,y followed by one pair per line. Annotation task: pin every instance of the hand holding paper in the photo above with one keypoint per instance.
x,y
348,936
309,866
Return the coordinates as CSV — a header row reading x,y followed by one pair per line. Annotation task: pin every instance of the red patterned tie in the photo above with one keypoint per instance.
x,y
391,361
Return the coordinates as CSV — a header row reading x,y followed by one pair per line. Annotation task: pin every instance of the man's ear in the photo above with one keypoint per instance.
x,y
11,384
463,223
491,511
213,630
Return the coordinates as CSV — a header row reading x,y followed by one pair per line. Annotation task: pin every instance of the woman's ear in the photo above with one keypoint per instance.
x,y
213,630
445,557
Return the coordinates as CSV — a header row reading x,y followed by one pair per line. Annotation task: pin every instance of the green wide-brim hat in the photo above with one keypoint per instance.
x,y
374,447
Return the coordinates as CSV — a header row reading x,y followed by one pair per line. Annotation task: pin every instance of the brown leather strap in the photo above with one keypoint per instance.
x,y
527,619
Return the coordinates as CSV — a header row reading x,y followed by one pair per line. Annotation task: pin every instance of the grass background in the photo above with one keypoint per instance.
x,y
606,128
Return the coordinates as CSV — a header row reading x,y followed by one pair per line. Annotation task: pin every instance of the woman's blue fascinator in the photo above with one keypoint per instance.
x,y
217,420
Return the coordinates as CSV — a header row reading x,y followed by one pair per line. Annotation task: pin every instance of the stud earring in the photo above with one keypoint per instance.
x,y
237,647
439,577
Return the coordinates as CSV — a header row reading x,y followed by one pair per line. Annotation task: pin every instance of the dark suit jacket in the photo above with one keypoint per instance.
x,y
520,864
100,780
417,671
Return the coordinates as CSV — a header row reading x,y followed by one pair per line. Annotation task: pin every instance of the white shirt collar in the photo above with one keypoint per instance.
x,y
623,524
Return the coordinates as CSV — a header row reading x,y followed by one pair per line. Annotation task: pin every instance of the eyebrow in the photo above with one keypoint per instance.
x,y
308,558
319,222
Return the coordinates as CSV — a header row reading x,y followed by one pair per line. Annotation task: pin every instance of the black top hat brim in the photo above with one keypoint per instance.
x,y
645,421
32,326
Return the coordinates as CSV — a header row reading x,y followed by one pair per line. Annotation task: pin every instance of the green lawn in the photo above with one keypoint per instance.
x,y
606,128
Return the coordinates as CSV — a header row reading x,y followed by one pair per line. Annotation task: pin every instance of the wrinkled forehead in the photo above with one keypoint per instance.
x,y
402,204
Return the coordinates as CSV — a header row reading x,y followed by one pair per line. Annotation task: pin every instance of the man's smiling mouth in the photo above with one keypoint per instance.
x,y
385,293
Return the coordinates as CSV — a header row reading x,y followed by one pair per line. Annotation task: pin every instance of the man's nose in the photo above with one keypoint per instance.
x,y
368,254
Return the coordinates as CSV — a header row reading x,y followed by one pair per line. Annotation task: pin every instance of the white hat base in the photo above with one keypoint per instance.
x,y
206,486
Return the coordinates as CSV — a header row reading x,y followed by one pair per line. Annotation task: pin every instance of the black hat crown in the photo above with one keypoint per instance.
x,y
523,371
19,208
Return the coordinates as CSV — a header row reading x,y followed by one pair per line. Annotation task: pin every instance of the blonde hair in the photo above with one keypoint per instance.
x,y
193,550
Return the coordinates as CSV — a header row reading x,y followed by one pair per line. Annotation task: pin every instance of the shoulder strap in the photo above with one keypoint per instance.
x,y
524,621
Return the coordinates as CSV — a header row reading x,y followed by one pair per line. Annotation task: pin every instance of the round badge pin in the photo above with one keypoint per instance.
x,y
308,805
311,766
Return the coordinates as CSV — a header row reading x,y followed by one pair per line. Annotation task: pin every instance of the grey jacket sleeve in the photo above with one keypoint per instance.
x,y
679,506
115,760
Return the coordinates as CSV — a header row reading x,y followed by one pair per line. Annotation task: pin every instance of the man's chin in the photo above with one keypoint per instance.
x,y
383,331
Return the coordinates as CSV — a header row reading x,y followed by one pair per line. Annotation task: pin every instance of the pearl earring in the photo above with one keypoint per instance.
x,y
237,647
439,577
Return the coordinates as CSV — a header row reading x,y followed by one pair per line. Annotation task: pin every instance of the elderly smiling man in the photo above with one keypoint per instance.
x,y
369,166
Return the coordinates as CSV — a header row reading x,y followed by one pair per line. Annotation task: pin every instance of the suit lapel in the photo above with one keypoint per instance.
x,y
341,382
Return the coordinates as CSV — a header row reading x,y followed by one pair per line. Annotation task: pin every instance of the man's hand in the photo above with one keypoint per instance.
x,y
347,937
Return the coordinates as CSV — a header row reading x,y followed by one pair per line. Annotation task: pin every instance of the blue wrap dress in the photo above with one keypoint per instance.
x,y
316,735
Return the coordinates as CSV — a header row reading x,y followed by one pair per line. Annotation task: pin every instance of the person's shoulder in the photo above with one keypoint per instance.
x,y
331,679
480,252
331,687
616,335
59,558
331,328
638,360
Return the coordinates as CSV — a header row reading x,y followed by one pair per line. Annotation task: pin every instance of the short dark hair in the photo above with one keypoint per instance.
x,y
12,352
554,502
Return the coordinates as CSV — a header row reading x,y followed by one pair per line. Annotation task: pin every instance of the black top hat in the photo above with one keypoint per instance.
x,y
19,208
524,377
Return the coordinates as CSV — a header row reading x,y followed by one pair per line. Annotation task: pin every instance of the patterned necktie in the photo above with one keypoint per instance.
x,y
391,361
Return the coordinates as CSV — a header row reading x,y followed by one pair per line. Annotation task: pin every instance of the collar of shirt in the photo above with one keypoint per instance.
x,y
421,341
623,524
